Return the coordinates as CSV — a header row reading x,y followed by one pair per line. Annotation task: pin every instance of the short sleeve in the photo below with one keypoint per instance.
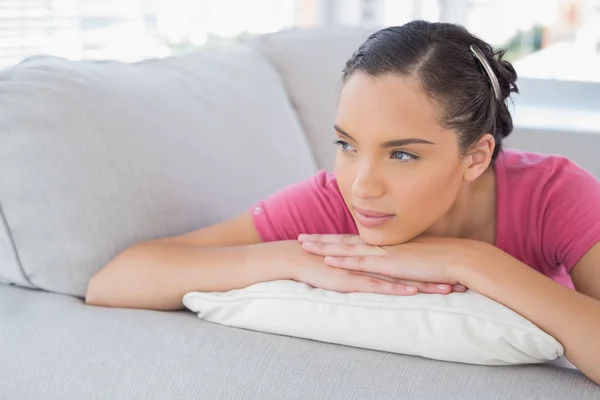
x,y
571,216
311,206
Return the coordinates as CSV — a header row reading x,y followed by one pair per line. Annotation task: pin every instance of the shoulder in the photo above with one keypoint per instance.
x,y
325,181
546,185
320,194
513,160
554,200
548,173
320,187
313,205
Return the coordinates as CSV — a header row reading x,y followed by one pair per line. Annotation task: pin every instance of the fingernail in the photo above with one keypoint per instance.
x,y
410,288
460,287
308,244
443,287
302,236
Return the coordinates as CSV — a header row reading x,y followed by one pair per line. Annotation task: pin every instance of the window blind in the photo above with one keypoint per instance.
x,y
36,26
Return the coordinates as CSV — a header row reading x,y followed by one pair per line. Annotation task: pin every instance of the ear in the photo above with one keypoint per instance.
x,y
479,157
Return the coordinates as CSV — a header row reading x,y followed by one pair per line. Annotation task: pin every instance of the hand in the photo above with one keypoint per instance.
x,y
311,269
430,264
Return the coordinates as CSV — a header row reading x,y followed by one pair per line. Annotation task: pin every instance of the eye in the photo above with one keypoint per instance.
x,y
403,156
343,145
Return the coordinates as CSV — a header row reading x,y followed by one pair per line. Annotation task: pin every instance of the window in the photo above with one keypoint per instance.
x,y
130,30
547,39
554,46
32,26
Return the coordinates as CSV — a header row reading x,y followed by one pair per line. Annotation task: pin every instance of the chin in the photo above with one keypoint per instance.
x,y
379,237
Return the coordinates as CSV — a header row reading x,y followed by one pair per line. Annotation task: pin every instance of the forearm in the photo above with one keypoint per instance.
x,y
156,276
570,317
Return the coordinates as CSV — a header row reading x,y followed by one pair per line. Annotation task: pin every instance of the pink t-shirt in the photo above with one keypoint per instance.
x,y
548,211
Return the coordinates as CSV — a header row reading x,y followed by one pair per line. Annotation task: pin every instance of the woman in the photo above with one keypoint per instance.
x,y
423,199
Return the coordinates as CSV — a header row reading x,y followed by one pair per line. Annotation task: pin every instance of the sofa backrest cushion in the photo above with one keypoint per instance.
x,y
310,63
97,156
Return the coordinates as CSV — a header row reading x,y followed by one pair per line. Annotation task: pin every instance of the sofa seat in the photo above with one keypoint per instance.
x,y
55,347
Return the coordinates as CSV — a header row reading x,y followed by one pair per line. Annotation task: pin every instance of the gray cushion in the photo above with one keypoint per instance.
x,y
55,347
579,147
10,269
311,63
97,156
566,124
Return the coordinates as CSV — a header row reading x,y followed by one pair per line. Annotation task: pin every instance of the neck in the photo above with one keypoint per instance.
x,y
473,214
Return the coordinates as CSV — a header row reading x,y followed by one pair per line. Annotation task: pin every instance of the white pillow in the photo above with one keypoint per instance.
x,y
461,327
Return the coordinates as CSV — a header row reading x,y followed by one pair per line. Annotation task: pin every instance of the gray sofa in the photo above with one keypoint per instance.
x,y
97,156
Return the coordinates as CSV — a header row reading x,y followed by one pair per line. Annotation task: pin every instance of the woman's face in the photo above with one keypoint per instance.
x,y
398,170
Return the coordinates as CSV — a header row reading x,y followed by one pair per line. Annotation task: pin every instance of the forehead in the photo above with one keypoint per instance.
x,y
390,106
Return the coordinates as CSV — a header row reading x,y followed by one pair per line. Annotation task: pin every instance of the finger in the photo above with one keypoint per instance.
x,y
381,266
361,263
368,284
423,287
459,288
377,267
349,239
343,249
430,288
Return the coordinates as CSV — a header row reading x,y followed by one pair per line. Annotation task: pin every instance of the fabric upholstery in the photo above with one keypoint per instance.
x,y
10,268
311,63
54,347
97,156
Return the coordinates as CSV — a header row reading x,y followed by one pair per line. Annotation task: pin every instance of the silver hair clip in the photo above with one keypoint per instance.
x,y
488,69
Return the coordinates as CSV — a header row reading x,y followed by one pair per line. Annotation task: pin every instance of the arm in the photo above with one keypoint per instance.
x,y
249,249
573,318
156,274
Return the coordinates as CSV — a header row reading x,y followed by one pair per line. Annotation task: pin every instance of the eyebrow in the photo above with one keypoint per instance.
x,y
390,143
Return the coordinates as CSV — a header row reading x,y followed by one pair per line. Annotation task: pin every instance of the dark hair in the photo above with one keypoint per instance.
x,y
438,55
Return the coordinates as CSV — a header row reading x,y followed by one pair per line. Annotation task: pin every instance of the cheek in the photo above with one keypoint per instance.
x,y
344,175
431,191
345,186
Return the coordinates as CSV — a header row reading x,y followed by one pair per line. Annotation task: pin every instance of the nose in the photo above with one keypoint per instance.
x,y
367,185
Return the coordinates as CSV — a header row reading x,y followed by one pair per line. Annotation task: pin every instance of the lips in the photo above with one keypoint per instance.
x,y
371,218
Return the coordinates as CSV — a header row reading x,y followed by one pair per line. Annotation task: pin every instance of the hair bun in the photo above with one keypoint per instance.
x,y
506,74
